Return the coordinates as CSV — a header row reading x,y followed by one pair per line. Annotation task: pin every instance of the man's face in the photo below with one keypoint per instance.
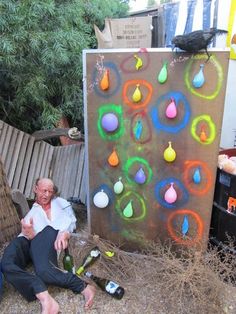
x,y
44,192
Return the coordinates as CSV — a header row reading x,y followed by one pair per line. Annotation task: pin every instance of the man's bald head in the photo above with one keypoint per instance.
x,y
44,190
41,181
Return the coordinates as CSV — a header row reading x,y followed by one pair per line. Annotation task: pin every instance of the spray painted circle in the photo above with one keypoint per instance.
x,y
141,204
219,72
158,121
160,199
175,235
211,125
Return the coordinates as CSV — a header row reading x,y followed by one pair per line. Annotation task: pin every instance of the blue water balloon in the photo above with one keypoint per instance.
x,y
199,78
185,225
197,176
138,129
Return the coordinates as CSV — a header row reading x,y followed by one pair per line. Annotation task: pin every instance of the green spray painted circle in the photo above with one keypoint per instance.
x,y
116,109
129,163
131,195
219,71
211,125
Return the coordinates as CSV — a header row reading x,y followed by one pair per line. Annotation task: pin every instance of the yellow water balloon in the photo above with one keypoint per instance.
x,y
109,253
169,153
137,95
139,62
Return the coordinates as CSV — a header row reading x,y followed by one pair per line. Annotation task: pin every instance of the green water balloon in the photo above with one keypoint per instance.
x,y
118,187
162,76
128,210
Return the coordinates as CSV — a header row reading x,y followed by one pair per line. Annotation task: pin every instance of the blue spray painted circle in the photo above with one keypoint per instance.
x,y
156,120
111,91
180,202
107,190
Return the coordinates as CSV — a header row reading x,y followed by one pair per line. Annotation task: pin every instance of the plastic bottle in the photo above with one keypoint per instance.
x,y
108,286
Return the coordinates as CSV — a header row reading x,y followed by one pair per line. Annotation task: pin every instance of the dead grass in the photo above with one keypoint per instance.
x,y
156,280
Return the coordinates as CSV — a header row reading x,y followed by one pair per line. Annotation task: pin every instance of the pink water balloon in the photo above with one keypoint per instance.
x,y
171,110
170,194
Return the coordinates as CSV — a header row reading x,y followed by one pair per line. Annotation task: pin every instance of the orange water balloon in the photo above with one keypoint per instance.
x,y
104,83
203,136
113,159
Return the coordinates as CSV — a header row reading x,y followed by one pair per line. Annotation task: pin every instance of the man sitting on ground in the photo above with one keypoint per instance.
x,y
44,231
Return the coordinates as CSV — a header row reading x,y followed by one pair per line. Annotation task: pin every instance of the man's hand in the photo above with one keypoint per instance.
x,y
61,241
27,229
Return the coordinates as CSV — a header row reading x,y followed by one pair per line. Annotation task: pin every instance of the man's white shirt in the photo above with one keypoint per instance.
x,y
62,216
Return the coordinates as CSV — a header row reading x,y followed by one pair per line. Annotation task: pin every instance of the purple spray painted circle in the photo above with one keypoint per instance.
x,y
110,122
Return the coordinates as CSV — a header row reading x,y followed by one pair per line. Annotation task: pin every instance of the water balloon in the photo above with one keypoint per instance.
x,y
110,122
170,194
169,153
140,176
118,187
101,199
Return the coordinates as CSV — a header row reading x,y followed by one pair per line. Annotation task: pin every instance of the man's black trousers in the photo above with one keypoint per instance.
x,y
41,252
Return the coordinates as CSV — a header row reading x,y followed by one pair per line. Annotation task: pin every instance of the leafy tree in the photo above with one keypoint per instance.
x,y
41,58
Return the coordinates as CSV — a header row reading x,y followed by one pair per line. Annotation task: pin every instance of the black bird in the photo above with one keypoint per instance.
x,y
197,40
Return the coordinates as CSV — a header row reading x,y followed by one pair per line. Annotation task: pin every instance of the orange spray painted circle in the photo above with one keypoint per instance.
x,y
141,83
176,237
189,164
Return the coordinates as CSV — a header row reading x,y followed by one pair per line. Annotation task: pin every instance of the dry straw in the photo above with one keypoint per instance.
x,y
174,280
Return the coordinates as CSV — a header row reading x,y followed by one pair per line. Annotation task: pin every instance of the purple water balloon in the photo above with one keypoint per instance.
x,y
140,176
110,122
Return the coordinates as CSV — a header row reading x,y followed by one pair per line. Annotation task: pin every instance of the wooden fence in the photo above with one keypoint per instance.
x,y
25,159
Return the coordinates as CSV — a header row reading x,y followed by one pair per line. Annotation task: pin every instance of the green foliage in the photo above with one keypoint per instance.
x,y
41,58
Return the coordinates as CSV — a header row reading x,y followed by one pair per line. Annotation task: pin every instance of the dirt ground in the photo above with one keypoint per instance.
x,y
132,303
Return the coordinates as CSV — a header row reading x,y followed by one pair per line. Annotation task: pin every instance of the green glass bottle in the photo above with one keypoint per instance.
x,y
108,286
89,260
68,262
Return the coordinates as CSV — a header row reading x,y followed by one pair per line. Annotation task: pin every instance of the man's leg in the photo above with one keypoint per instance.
x,y
14,261
44,258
